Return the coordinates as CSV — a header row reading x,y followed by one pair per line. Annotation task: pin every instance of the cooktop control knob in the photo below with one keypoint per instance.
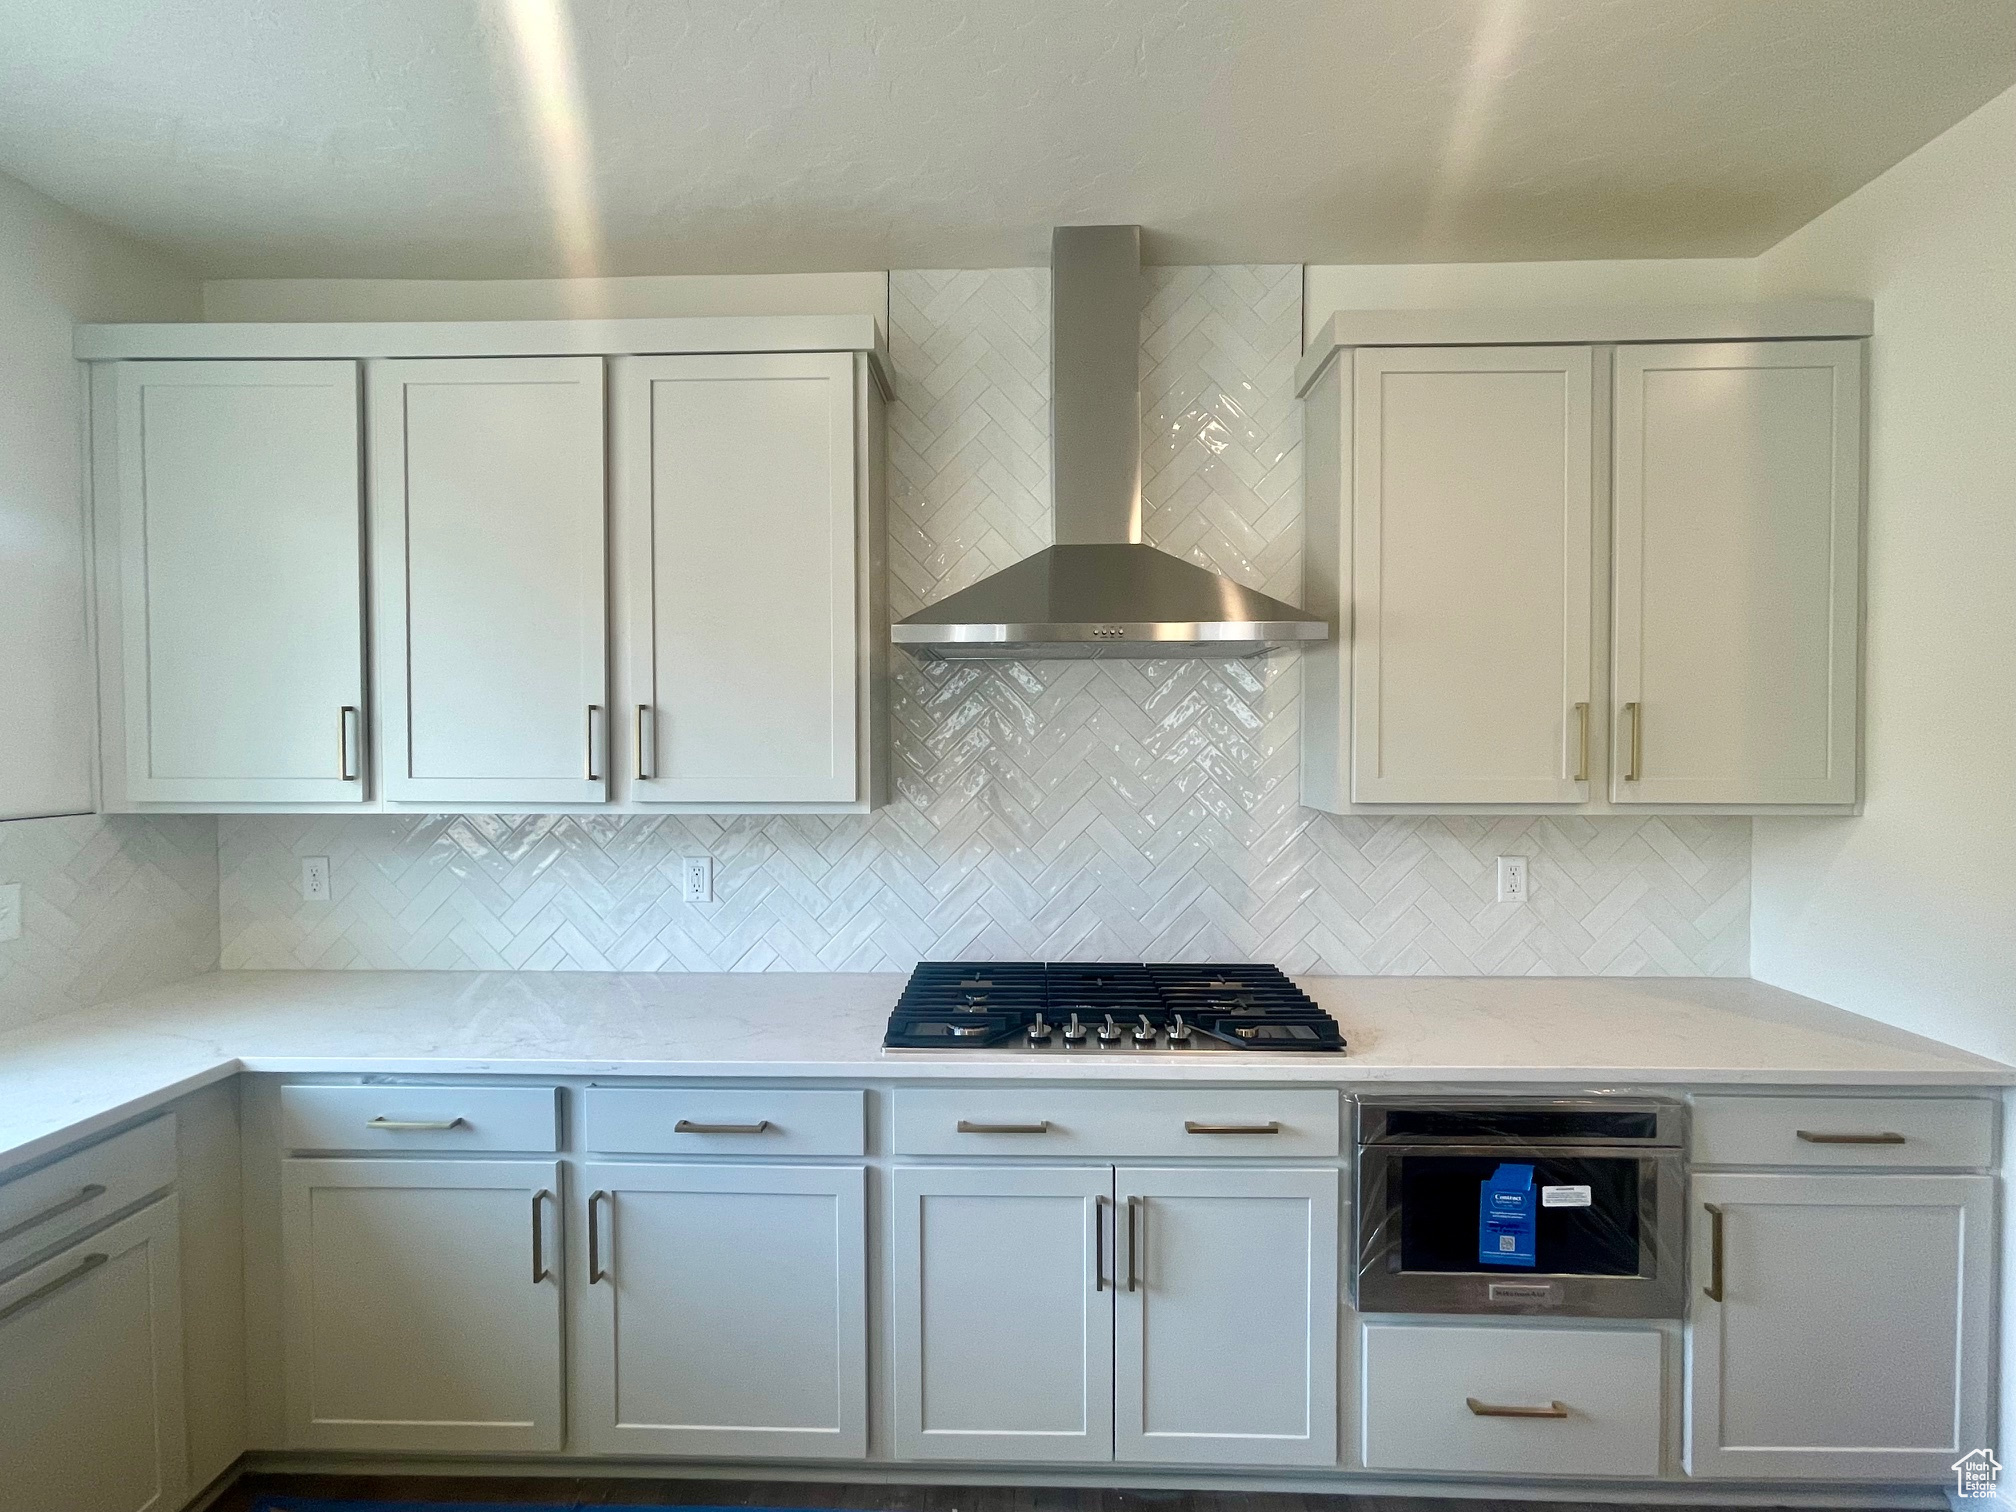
x,y
1039,1032
1074,1032
1109,1032
1179,1032
1144,1032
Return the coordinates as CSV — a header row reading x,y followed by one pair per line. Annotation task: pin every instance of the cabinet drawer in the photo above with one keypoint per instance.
x,y
41,1210
1114,1123
419,1118
1512,1401
1844,1131
683,1121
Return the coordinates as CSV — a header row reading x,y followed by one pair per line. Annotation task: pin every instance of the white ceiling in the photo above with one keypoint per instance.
x,y
417,138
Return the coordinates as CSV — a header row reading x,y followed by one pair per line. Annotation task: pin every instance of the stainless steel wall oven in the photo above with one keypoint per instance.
x,y
1599,1184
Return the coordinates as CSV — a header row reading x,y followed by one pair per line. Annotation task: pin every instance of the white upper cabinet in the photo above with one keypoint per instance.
x,y
745,543
490,566
1470,575
1738,570
241,586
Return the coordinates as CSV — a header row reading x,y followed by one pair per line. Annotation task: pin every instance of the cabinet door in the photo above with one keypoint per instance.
x,y
1472,520
727,1311
241,581
91,1372
1853,1331
489,517
1738,492
422,1304
1001,1290
1225,1329
736,483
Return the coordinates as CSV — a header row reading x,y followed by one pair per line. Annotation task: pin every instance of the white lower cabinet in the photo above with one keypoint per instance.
x,y
1841,1325
726,1311
1152,1316
1507,1400
91,1374
422,1302
1225,1320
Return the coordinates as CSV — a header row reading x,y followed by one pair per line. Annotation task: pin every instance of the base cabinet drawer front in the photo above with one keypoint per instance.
x,y
91,1410
1845,1328
1845,1131
1511,1401
1225,1317
1001,1293
1127,1124
690,1121
726,1311
41,1210
452,1119
422,1303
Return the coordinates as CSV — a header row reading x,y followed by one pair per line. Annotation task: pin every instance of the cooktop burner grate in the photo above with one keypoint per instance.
x,y
1107,1006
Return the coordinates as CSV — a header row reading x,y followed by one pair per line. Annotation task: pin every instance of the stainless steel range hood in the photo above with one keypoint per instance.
x,y
1099,591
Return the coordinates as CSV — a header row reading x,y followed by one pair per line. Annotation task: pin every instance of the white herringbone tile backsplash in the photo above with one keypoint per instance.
x,y
1044,809
111,904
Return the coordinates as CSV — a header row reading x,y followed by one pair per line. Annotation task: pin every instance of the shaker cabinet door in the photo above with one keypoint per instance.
x,y
1001,1290
422,1303
91,1374
1845,1327
735,479
1738,512
1225,1324
1471,589
726,1309
241,582
489,546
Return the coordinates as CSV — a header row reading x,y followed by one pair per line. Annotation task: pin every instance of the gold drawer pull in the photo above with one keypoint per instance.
x,y
83,1268
1488,1409
1191,1126
417,1125
1813,1137
967,1126
86,1194
687,1126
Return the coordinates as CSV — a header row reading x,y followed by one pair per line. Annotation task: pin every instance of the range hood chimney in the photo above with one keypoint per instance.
x,y
1099,591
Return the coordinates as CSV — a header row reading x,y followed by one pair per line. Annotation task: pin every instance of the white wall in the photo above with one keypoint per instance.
x,y
1446,286
1908,913
55,268
546,298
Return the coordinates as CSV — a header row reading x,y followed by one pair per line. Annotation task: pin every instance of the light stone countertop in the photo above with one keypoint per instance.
x,y
67,1078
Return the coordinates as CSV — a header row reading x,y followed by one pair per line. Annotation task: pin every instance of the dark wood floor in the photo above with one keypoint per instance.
x,y
594,1492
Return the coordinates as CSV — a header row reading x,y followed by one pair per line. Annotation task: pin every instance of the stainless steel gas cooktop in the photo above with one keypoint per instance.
x,y
1107,1009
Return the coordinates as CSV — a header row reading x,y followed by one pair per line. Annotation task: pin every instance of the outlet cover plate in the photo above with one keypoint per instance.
x,y
315,879
696,879
1512,879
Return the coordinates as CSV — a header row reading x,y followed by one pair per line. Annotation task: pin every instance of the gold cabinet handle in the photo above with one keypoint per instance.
x,y
1713,1290
1582,743
82,1269
1635,716
1492,1409
1099,1243
967,1126
539,1271
1814,1137
642,767
345,718
593,710
83,1195
1134,1239
595,1272
417,1125
1191,1126
687,1126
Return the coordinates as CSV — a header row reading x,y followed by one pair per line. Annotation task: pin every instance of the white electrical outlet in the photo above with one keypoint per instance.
x,y
696,875
10,910
315,879
1511,879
